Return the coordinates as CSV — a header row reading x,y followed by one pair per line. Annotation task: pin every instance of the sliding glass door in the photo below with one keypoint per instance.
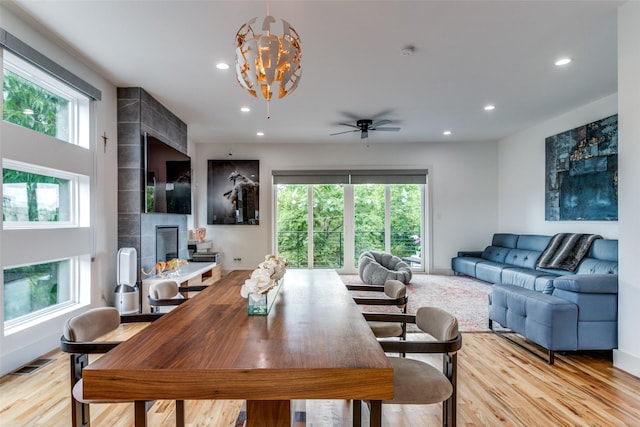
x,y
328,225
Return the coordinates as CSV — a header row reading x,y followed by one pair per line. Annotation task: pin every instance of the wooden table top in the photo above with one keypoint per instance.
x,y
314,344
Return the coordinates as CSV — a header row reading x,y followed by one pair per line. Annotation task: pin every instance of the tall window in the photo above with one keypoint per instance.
x,y
369,218
335,222
47,164
328,225
292,224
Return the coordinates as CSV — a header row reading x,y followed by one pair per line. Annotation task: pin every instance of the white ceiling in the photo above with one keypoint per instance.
x,y
467,54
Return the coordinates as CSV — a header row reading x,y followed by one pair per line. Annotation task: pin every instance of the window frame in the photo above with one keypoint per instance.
x,y
79,103
37,316
355,178
37,152
76,181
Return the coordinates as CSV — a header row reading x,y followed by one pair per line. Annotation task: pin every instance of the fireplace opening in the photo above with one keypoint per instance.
x,y
166,242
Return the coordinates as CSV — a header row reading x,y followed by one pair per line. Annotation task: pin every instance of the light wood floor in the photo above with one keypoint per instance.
x,y
499,385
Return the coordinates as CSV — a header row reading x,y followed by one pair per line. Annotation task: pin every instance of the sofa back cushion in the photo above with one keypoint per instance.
x,y
505,240
602,258
596,266
604,249
522,258
533,242
495,253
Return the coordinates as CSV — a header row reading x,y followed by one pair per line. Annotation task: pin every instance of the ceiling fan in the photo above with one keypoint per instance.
x,y
365,125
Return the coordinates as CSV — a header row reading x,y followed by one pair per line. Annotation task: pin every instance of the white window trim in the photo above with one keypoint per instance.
x,y
77,182
81,246
78,102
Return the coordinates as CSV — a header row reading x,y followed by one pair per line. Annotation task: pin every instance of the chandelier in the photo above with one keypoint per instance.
x,y
265,62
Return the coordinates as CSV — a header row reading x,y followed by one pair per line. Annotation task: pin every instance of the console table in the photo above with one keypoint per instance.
x,y
314,344
192,274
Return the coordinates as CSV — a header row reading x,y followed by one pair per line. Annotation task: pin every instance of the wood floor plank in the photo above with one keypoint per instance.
x,y
499,385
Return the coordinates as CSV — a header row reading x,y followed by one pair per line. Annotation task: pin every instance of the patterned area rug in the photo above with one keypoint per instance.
x,y
464,297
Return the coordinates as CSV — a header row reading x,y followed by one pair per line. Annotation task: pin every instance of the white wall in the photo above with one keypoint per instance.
x,y
22,347
627,356
521,159
462,185
522,174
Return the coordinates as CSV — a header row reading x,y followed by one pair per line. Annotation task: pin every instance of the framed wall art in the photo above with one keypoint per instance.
x,y
233,190
581,180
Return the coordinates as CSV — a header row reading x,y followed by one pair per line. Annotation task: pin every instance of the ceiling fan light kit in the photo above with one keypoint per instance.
x,y
268,63
365,125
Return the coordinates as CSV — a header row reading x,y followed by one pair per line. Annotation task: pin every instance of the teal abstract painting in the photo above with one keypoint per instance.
x,y
581,179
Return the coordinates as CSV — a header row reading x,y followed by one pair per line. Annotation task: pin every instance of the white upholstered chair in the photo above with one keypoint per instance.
x,y
395,294
166,294
415,381
78,339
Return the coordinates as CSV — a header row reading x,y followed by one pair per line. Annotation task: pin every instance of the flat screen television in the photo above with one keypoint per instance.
x,y
167,178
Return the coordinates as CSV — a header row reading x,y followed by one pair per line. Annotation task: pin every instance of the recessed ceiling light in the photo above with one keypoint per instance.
x,y
260,133
446,132
563,61
489,107
222,66
245,109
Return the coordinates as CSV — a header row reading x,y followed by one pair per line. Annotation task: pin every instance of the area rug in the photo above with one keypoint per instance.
x,y
464,297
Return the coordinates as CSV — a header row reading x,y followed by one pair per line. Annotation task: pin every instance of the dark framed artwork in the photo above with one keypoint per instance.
x,y
581,178
233,190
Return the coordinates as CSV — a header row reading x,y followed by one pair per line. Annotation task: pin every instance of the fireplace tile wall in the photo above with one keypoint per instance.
x,y
139,112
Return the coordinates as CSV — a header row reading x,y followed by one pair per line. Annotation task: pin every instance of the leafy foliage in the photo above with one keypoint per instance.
x,y
11,176
30,106
328,221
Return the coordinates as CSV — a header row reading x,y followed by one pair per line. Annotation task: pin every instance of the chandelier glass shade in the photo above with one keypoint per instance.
x,y
266,63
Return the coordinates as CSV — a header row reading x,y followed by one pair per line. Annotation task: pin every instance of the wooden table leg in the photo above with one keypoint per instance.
x,y
268,413
140,413
375,419
357,413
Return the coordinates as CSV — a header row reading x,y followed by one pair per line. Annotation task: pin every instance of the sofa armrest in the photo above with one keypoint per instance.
x,y
476,254
588,283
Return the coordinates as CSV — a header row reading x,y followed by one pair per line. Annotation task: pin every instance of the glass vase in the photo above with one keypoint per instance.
x,y
260,304
257,304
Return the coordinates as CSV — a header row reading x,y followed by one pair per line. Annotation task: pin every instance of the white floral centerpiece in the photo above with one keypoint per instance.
x,y
264,278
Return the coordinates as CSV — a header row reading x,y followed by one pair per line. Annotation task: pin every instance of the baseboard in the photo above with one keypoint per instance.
x,y
627,362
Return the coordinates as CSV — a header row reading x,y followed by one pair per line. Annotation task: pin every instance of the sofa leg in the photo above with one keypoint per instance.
x,y
505,335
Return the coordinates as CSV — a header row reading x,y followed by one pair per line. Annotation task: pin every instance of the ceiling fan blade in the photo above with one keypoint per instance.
x,y
351,125
346,131
379,122
387,129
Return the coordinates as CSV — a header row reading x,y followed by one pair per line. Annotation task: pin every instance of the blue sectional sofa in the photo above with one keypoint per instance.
x,y
557,309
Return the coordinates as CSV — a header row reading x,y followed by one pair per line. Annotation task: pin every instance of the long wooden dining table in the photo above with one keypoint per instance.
x,y
313,344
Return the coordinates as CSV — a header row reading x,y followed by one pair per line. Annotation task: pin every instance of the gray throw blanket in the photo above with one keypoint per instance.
x,y
566,250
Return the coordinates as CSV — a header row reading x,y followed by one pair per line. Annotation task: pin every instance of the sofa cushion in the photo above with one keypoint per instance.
x,y
465,265
489,271
596,266
506,240
533,242
604,249
522,258
495,253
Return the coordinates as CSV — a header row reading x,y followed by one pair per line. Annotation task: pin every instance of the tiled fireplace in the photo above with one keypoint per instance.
x,y
139,112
